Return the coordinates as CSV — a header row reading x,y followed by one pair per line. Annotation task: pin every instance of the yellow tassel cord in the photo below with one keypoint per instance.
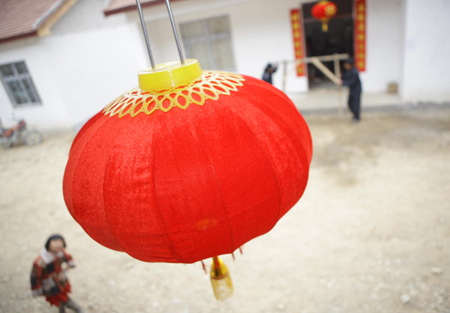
x,y
221,279
324,27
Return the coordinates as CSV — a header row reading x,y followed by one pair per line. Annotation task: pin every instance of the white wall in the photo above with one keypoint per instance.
x,y
98,57
52,113
102,65
426,62
87,62
385,38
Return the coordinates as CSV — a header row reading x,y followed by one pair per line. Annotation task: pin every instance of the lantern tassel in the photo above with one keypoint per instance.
x,y
221,279
325,27
204,267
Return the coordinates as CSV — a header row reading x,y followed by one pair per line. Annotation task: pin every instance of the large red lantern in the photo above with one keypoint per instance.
x,y
188,166
184,173
323,11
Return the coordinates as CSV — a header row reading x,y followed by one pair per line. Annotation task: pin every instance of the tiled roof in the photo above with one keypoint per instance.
x,y
118,6
25,18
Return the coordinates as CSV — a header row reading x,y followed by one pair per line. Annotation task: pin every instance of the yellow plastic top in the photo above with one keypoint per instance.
x,y
168,75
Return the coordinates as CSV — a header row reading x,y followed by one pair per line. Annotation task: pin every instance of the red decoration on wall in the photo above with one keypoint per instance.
x,y
188,184
360,35
323,11
297,34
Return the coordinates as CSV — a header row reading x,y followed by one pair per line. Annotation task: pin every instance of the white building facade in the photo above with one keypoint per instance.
x,y
89,59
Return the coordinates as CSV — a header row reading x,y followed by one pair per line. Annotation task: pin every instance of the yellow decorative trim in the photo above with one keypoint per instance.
x,y
209,86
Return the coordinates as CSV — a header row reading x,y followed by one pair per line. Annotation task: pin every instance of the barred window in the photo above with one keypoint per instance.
x,y
209,41
19,85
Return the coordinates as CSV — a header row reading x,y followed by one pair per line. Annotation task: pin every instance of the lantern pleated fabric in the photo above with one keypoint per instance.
x,y
190,172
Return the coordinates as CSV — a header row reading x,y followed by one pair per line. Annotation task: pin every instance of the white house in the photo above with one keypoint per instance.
x,y
61,61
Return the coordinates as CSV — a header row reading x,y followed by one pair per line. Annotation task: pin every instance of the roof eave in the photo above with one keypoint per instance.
x,y
17,37
43,27
133,7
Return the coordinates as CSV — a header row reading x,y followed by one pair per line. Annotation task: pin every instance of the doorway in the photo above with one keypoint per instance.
x,y
338,39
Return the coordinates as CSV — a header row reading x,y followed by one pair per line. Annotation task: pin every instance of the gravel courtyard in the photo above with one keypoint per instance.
x,y
371,233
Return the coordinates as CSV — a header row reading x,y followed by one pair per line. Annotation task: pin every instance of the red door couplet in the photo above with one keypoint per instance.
x,y
360,35
297,33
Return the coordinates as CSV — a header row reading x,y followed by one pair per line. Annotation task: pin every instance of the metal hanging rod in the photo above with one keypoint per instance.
x,y
144,29
174,28
175,32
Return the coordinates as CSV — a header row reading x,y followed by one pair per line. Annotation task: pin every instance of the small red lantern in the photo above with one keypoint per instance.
x,y
323,11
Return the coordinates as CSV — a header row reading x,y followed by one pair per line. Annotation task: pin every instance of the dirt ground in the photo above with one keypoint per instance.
x,y
371,234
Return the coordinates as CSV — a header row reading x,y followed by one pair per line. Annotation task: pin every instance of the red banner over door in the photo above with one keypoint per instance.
x,y
297,32
360,35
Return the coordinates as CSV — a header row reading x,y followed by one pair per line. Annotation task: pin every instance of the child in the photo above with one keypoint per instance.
x,y
49,279
351,78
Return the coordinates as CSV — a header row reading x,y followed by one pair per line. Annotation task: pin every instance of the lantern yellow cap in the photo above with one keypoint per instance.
x,y
168,75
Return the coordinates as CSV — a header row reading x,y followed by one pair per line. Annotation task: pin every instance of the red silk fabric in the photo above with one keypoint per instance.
x,y
187,185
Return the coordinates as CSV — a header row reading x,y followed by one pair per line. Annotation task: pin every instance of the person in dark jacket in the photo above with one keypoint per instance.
x,y
268,71
351,79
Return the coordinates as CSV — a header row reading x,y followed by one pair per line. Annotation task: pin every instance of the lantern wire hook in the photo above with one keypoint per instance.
x,y
175,32
144,29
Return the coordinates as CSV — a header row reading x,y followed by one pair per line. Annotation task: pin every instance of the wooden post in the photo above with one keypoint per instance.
x,y
285,73
337,68
325,70
337,72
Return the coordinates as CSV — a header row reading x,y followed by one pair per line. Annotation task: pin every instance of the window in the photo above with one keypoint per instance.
x,y
19,85
209,41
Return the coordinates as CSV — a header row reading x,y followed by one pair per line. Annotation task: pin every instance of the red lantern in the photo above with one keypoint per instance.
x,y
184,173
188,166
323,11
